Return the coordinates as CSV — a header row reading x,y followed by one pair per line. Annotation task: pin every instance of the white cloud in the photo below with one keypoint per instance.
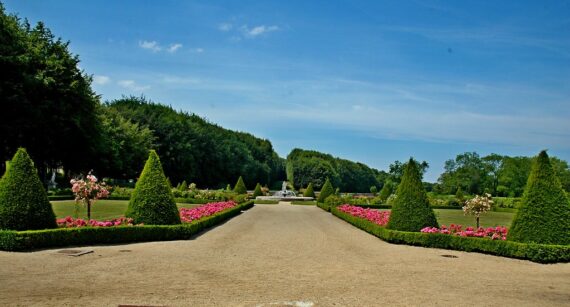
x,y
132,85
101,80
174,47
150,45
258,30
197,50
225,27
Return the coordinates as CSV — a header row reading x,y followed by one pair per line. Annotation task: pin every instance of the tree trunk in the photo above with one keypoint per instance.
x,y
89,211
477,222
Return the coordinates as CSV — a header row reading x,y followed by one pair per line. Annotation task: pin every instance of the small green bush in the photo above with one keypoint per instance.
x,y
544,214
240,187
326,191
385,192
257,191
24,203
411,210
309,192
183,186
373,190
152,202
334,201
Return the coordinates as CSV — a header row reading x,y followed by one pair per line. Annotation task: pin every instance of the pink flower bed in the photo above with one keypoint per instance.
x,y
378,217
70,222
188,215
493,233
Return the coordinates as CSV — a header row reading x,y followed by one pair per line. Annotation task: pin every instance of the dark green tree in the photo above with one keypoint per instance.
x,y
152,201
257,191
240,187
411,210
23,201
544,213
326,191
309,191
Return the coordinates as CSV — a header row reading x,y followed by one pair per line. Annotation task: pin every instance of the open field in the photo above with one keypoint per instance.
x,y
101,210
277,256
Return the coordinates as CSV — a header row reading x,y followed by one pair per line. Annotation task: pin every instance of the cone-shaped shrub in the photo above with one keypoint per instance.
x,y
411,210
385,192
183,186
152,201
240,188
544,213
23,201
309,192
326,191
257,191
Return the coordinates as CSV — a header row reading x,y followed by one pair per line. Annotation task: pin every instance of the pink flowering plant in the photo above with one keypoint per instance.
x,y
188,215
493,233
478,205
375,216
89,190
69,222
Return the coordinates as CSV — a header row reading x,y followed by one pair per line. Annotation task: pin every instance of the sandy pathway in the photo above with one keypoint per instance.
x,y
278,255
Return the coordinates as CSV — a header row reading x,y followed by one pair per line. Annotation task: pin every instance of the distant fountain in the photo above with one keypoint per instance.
x,y
284,194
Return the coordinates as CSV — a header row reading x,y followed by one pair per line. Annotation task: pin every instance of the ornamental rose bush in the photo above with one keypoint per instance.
x,y
188,215
478,205
69,222
88,191
493,233
377,217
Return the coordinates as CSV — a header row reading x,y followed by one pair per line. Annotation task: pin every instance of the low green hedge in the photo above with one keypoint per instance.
x,y
541,253
304,202
197,201
34,239
266,202
61,197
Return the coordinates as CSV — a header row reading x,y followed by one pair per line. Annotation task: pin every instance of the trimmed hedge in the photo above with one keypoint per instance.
x,y
35,239
541,253
309,192
326,191
257,191
61,197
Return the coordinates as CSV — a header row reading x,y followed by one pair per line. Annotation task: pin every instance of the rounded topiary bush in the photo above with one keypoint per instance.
x,y
152,201
309,192
326,191
240,187
23,200
257,191
544,212
411,210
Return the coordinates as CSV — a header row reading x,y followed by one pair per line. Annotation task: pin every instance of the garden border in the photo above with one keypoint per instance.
x,y
541,253
11,240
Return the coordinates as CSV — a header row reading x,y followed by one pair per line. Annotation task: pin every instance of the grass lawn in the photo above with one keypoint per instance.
x,y
265,202
304,202
489,219
101,210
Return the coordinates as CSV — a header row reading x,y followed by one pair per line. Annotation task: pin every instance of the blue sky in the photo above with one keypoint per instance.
x,y
372,81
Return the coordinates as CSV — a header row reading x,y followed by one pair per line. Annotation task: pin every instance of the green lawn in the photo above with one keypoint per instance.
x,y
101,210
489,219
304,202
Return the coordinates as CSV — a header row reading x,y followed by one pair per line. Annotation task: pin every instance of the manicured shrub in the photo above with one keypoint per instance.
x,y
240,187
334,201
326,191
459,195
183,186
373,190
385,192
411,210
544,213
24,203
257,191
309,192
152,202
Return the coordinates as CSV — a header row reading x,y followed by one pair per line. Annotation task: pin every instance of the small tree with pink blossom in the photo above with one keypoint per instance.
x,y
88,191
478,205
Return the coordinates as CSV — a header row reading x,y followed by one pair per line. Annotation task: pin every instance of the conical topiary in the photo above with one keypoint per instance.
x,y
23,200
183,186
257,191
411,210
326,191
385,192
544,213
152,201
309,192
240,187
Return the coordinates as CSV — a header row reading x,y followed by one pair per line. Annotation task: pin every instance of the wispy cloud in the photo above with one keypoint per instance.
x,y
132,85
225,27
150,45
257,30
197,50
174,47
101,80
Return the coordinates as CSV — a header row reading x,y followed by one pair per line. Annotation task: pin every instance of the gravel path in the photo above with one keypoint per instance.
x,y
278,255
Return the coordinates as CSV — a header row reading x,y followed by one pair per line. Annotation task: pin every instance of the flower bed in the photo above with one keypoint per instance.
x,y
493,233
188,215
377,217
70,222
